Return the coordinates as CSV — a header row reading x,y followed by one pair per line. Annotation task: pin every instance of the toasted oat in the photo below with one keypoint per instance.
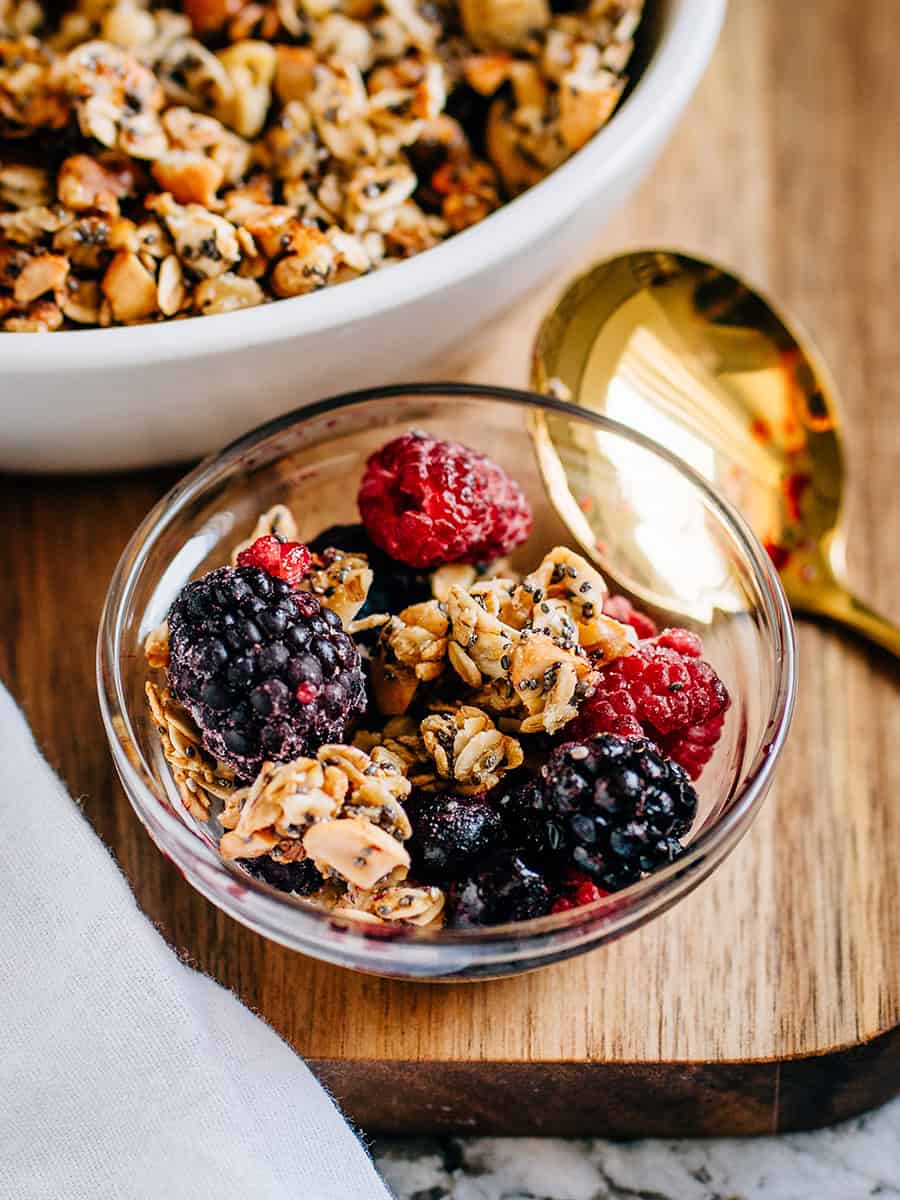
x,y
468,749
411,649
196,773
404,903
546,678
480,643
342,584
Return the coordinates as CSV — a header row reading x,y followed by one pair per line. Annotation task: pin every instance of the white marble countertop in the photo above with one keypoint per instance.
x,y
853,1161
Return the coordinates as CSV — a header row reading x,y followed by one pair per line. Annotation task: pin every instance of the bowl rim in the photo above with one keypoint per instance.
x,y
311,930
664,87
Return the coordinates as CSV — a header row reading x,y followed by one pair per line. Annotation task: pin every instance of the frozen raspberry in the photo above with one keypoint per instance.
x,y
621,609
451,834
265,671
511,516
426,502
285,560
301,877
618,808
656,689
693,747
394,587
682,641
503,889
578,889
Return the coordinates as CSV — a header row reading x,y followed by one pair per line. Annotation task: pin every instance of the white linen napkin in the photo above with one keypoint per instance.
x,y
124,1074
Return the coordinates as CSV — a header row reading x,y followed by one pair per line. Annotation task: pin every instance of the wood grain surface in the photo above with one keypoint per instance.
x,y
786,167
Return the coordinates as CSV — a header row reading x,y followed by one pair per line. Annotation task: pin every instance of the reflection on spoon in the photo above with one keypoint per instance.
x,y
688,354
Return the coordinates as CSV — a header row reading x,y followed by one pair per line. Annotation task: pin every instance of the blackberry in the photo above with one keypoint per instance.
x,y
451,834
527,823
266,672
395,585
617,807
301,877
503,889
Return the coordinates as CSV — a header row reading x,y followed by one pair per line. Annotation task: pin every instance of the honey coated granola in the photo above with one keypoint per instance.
x,y
158,163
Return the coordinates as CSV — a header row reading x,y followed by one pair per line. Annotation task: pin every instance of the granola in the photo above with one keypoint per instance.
x,y
500,749
270,149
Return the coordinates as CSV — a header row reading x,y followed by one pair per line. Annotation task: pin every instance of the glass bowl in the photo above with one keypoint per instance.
x,y
651,524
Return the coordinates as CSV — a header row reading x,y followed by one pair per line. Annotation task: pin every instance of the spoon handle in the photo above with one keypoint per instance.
x,y
841,605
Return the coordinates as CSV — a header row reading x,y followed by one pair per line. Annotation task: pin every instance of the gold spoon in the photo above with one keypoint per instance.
x,y
692,356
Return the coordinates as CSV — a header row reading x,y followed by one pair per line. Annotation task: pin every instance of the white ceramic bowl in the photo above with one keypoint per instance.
x,y
118,398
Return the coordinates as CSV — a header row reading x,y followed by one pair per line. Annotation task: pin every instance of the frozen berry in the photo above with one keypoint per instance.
x,y
654,690
577,888
285,560
618,807
301,877
394,587
503,889
266,672
427,502
526,822
694,746
621,609
682,641
451,834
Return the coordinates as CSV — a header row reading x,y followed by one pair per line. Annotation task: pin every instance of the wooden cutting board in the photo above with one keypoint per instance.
x,y
770,998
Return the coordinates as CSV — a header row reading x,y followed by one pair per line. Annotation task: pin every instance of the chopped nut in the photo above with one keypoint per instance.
x,y
355,849
129,287
191,177
504,24
87,183
46,273
227,293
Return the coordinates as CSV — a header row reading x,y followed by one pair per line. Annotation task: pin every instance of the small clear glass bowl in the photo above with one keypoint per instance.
x,y
653,526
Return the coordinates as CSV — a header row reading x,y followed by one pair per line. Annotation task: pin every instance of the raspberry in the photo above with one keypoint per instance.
x,y
682,641
451,834
426,502
243,649
504,889
693,747
618,808
285,560
656,688
621,609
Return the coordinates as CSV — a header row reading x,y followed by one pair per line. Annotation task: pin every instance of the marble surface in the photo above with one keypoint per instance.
x,y
853,1161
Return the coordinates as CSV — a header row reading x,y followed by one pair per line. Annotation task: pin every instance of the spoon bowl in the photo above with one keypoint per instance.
x,y
689,354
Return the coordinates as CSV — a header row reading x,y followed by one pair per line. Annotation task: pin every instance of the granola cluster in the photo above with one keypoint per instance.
x,y
158,163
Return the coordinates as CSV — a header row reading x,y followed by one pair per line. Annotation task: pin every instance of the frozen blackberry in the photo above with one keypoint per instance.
x,y
394,585
301,877
503,889
266,672
528,824
451,834
616,806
